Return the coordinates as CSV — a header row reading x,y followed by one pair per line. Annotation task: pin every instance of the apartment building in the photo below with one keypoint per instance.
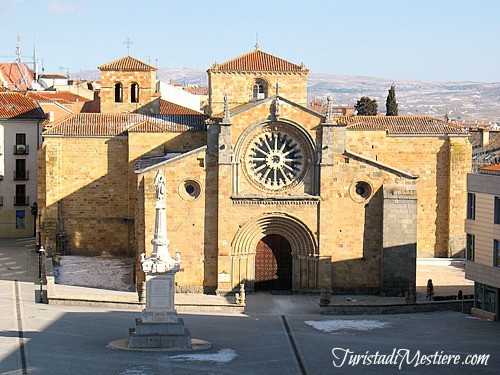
x,y
483,240
20,137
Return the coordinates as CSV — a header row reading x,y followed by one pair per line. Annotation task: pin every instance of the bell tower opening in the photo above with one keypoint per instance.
x,y
273,264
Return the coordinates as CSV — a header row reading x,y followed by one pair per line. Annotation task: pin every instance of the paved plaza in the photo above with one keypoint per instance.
x,y
272,337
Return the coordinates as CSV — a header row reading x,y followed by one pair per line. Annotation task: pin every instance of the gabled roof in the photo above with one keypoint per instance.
x,y
114,124
258,61
127,63
53,76
401,124
169,108
247,106
18,106
62,97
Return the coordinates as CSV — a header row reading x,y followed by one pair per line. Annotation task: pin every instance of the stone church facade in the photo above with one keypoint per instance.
x,y
265,191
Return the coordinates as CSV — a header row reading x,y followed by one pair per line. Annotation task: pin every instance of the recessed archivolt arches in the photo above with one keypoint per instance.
x,y
299,236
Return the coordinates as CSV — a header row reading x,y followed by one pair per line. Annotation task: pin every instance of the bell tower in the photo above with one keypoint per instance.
x,y
254,76
128,85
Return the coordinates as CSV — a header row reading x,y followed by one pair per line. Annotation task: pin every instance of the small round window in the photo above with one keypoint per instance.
x,y
360,191
189,189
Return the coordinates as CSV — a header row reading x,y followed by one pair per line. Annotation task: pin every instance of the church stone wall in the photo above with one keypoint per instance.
x,y
430,158
351,226
86,203
189,224
239,86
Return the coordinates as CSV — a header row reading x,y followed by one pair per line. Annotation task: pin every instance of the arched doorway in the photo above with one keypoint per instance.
x,y
290,238
273,263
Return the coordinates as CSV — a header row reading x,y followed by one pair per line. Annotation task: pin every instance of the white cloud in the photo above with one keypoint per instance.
x,y
60,6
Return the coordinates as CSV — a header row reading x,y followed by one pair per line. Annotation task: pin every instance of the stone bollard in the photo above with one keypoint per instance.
x,y
240,297
430,290
324,297
411,294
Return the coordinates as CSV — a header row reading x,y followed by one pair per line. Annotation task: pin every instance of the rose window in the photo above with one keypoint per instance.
x,y
275,160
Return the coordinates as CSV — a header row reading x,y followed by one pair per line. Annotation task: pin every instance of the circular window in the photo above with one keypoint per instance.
x,y
360,191
189,189
275,159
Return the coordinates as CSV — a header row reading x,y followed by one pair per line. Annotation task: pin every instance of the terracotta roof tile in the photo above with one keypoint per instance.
x,y
494,167
401,124
15,105
62,97
258,61
127,63
113,124
169,108
12,77
53,76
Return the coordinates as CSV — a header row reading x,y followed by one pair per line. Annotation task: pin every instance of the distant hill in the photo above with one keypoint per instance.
x,y
462,100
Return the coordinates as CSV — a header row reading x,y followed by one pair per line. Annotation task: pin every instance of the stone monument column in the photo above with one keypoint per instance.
x,y
160,327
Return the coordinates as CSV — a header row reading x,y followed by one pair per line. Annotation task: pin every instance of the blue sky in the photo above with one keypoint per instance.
x,y
424,40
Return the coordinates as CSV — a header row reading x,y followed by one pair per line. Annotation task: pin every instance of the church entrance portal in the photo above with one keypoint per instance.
x,y
273,263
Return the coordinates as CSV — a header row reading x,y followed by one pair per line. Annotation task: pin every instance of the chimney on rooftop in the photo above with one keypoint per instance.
x,y
485,136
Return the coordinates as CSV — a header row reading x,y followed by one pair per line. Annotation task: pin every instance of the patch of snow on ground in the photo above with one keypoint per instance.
x,y
138,370
95,272
222,356
342,325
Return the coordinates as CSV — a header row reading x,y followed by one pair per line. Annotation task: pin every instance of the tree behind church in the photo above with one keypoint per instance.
x,y
391,104
366,106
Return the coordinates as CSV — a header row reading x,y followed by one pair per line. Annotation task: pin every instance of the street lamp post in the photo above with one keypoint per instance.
x,y
34,212
41,255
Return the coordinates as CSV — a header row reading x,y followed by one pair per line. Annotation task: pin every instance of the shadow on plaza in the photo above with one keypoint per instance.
x,y
18,259
76,343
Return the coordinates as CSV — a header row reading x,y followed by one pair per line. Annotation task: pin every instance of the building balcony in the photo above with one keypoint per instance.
x,y
21,149
21,175
21,200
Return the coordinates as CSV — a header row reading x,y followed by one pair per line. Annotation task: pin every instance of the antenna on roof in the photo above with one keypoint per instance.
x,y
128,43
257,40
35,62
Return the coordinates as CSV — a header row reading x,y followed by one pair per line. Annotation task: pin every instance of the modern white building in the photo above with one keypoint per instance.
x,y
483,240
175,94
20,137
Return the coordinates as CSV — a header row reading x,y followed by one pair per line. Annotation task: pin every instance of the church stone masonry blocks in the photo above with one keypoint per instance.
x,y
266,192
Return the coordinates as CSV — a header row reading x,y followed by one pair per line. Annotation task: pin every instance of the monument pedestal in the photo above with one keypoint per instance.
x,y
160,326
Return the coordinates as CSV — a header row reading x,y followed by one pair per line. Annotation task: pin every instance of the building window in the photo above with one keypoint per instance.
x,y
497,210
471,244
118,92
496,253
20,148
485,297
134,93
259,90
20,219
20,173
20,198
471,206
